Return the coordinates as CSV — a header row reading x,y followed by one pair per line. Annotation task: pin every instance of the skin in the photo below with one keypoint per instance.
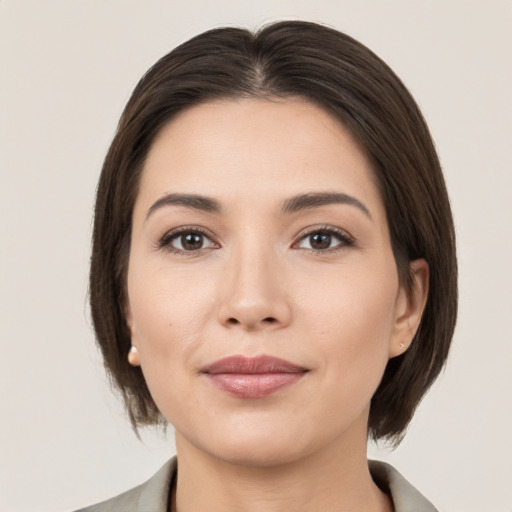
x,y
256,287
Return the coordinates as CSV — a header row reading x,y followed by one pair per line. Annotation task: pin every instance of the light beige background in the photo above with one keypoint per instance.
x,y
68,67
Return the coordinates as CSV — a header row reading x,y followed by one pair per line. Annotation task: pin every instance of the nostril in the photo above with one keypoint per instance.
x,y
268,320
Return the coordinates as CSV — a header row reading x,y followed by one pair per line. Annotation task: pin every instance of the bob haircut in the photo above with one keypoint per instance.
x,y
284,60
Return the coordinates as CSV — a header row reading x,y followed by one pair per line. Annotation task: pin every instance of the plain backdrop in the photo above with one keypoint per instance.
x,y
68,68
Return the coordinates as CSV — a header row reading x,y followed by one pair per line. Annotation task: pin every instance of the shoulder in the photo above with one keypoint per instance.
x,y
152,495
405,497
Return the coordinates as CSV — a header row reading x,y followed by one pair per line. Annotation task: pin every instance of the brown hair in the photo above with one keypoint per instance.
x,y
329,68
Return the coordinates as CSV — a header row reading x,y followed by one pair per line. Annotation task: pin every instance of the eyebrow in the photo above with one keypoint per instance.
x,y
316,199
194,201
295,204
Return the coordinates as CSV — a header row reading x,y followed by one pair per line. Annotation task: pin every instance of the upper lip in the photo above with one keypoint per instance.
x,y
252,365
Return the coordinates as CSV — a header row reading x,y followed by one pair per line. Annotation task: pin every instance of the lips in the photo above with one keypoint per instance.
x,y
252,377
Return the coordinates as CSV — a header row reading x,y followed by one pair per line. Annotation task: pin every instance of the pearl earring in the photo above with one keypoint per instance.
x,y
133,356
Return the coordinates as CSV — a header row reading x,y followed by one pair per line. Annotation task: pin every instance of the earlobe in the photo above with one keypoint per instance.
x,y
133,354
409,308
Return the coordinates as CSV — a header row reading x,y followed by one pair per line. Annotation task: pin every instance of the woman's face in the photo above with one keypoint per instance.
x,y
259,233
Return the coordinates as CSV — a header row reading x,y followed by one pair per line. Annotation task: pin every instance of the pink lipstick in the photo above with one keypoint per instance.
x,y
252,377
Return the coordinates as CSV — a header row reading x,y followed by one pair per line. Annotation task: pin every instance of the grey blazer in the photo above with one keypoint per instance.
x,y
153,495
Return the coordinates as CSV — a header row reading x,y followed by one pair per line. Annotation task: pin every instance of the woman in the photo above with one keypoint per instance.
x,y
273,271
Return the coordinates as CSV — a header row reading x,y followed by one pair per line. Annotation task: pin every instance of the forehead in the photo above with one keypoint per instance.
x,y
256,150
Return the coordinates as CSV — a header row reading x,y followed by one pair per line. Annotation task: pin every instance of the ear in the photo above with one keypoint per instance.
x,y
410,305
128,316
133,354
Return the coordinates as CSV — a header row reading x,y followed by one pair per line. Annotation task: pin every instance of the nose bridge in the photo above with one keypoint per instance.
x,y
254,294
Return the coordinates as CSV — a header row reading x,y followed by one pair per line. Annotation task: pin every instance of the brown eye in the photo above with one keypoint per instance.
x,y
192,241
187,241
320,241
325,240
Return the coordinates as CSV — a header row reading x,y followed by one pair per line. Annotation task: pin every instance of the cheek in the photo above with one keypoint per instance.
x,y
168,326
168,311
351,316
350,300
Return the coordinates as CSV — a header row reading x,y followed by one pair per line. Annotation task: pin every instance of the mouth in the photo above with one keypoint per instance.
x,y
252,377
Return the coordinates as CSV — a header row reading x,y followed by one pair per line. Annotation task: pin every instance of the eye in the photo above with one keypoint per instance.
x,y
324,239
190,240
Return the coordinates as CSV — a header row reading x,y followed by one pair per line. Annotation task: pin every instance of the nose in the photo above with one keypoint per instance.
x,y
253,291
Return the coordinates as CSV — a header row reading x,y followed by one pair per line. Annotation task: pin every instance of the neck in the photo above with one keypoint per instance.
x,y
335,478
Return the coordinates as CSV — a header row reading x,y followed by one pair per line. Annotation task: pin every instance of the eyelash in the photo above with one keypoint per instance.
x,y
345,239
165,242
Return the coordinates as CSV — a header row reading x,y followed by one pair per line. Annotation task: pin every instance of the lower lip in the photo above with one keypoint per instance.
x,y
251,385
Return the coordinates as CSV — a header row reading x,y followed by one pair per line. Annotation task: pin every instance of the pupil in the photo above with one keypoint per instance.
x,y
320,241
192,241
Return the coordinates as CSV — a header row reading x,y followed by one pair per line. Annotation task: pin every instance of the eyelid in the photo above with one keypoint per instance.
x,y
164,242
346,240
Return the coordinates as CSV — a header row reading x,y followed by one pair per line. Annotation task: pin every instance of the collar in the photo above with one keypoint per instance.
x,y
153,495
405,497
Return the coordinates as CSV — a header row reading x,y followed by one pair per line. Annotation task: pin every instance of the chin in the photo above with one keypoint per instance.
x,y
259,454
262,444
